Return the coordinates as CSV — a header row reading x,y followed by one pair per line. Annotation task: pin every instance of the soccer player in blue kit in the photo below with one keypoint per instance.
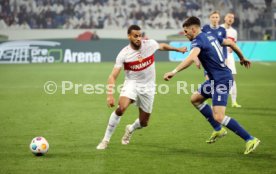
x,y
206,48
215,29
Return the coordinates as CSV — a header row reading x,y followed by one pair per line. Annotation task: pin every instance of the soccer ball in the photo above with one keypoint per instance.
x,y
39,146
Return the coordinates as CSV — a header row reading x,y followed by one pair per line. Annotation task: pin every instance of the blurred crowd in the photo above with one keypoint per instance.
x,y
115,14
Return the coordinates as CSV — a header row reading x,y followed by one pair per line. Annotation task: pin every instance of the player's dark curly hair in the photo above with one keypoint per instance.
x,y
191,21
133,27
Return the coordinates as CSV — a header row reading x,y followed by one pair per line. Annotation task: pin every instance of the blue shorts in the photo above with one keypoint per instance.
x,y
217,91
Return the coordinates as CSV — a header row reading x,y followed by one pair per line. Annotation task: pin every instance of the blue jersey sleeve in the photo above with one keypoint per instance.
x,y
204,29
220,39
224,34
224,47
196,43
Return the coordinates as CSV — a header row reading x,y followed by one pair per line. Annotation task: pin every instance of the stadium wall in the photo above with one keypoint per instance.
x,y
41,48
64,51
253,50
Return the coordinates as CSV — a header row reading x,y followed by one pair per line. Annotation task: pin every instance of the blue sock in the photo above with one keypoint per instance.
x,y
206,110
234,126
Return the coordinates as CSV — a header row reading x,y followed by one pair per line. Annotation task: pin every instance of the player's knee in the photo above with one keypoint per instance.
x,y
120,110
195,101
218,117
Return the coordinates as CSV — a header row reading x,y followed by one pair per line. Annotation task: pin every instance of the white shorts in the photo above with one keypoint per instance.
x,y
142,94
230,62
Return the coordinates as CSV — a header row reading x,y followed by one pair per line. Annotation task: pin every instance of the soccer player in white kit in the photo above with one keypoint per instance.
x,y
230,61
137,59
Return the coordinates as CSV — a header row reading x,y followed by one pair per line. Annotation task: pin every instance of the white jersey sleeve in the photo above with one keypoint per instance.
x,y
120,58
153,45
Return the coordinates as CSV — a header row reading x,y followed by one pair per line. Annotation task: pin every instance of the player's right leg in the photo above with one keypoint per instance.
x,y
234,93
114,120
230,62
145,99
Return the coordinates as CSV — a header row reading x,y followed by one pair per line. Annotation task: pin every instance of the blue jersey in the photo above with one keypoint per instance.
x,y
217,32
211,57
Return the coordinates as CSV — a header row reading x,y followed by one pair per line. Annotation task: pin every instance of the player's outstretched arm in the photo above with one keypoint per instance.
x,y
236,49
167,47
184,64
111,84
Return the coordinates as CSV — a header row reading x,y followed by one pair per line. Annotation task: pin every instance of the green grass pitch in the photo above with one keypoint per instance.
x,y
174,142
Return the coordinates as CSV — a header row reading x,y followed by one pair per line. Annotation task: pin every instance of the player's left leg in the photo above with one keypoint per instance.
x,y
139,123
233,125
219,100
145,103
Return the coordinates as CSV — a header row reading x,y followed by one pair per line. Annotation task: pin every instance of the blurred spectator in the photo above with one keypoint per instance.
x,y
87,35
266,36
3,24
118,14
95,36
144,36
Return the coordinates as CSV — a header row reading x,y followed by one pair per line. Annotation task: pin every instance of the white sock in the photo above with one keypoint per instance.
x,y
135,125
225,120
201,106
112,124
234,92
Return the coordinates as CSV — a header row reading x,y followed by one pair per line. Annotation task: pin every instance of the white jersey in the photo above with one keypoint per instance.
x,y
232,34
138,64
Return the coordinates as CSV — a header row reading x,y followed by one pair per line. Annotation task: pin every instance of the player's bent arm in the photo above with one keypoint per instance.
x,y
236,49
112,79
189,60
167,47
192,57
111,84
